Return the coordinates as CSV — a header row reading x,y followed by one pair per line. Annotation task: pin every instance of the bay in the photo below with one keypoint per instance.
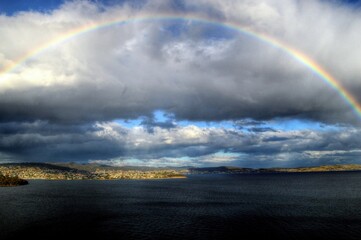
x,y
247,206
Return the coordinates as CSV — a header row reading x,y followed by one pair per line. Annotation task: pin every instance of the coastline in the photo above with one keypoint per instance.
x,y
112,179
72,171
45,171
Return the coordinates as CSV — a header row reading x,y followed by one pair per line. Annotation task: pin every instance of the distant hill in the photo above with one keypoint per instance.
x,y
221,169
324,168
75,171
237,170
95,166
38,165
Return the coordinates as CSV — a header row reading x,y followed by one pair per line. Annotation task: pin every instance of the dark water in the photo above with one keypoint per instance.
x,y
282,206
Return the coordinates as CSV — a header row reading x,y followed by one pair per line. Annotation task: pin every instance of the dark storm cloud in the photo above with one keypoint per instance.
x,y
133,70
42,141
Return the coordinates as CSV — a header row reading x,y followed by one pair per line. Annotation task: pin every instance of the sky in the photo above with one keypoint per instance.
x,y
186,90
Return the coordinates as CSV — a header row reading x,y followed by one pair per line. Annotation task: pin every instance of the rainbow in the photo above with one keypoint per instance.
x,y
311,64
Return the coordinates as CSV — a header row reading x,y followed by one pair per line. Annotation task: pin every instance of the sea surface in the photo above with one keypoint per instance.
x,y
249,206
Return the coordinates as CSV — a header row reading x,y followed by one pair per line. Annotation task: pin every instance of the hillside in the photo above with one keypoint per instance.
x,y
72,171
325,168
8,181
237,170
221,169
90,167
75,171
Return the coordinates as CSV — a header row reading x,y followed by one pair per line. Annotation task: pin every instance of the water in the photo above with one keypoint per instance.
x,y
282,206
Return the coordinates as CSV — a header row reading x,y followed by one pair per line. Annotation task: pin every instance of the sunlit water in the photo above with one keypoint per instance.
x,y
284,206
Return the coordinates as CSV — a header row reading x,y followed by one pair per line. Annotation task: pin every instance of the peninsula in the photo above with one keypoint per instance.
x,y
9,181
73,171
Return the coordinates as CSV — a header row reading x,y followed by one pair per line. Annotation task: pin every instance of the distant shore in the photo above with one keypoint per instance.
x,y
175,177
238,170
16,172
64,171
113,179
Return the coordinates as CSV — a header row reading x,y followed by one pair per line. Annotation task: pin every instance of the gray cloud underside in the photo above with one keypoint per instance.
x,y
40,141
131,70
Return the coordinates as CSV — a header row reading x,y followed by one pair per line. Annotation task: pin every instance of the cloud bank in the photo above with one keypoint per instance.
x,y
63,103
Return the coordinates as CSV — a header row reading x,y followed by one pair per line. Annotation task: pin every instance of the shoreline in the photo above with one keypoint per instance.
x,y
184,176
114,179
